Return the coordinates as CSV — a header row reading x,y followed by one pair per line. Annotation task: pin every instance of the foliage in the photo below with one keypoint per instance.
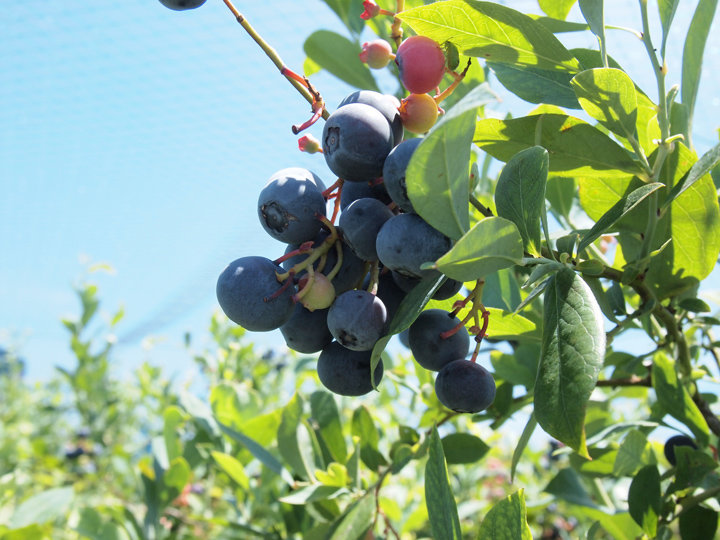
x,y
265,452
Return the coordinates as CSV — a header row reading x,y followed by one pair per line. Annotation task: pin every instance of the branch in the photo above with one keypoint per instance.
x,y
633,380
272,54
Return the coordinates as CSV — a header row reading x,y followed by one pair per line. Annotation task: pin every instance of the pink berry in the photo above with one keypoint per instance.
x,y
418,112
376,54
422,64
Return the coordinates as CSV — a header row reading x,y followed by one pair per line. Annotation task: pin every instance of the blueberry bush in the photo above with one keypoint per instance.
x,y
549,273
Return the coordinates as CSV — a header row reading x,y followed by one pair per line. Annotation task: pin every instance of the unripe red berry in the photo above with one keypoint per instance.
x,y
371,10
422,64
418,112
376,53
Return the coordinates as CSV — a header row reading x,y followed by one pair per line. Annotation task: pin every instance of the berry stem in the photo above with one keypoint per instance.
x,y
305,247
306,286
286,282
272,54
338,263
396,32
374,277
315,253
450,89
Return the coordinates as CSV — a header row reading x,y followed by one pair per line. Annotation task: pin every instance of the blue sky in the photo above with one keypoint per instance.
x,y
138,136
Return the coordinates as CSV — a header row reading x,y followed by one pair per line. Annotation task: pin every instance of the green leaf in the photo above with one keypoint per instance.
x,y
608,95
567,486
557,9
506,325
576,147
573,348
693,52
43,507
174,480
593,13
634,453
441,507
558,26
260,453
293,452
520,194
463,448
603,461
692,221
233,468
536,85
698,523
692,467
699,169
339,56
492,244
645,499
621,208
327,418
667,10
694,305
619,526
173,417
364,428
507,519
349,13
493,32
520,367
356,520
437,175
315,492
522,444
675,400
336,475
501,291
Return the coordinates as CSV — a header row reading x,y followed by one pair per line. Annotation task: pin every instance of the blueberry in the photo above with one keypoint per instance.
x,y
673,442
394,173
406,241
356,140
250,295
352,191
465,386
290,203
385,103
347,372
182,5
430,350
357,320
361,222
306,331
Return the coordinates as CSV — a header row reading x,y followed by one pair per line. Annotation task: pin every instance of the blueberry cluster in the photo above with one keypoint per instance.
x,y
337,287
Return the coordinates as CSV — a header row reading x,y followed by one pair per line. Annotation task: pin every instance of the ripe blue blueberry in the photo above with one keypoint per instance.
x,y
465,386
290,204
385,103
347,372
394,173
357,320
356,140
250,295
